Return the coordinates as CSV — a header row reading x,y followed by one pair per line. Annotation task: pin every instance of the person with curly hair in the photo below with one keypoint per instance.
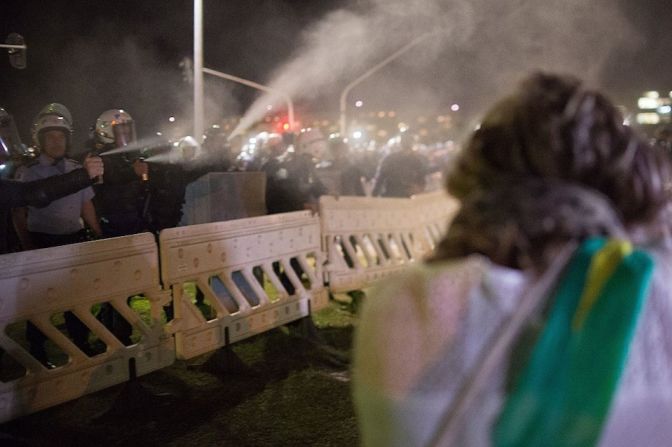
x,y
550,169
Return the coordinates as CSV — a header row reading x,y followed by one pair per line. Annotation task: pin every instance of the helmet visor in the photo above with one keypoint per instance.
x,y
124,133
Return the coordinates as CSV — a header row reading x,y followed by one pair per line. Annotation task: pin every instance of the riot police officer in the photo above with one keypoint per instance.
x,y
121,196
37,193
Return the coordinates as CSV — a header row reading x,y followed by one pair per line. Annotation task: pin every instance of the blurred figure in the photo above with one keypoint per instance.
x,y
550,166
168,182
347,174
236,144
663,138
14,153
401,173
271,148
216,150
122,193
292,183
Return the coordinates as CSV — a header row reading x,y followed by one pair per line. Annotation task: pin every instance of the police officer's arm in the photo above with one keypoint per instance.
x,y
20,220
90,218
40,193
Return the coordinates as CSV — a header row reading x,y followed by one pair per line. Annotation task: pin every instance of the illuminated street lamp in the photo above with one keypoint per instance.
x,y
256,85
17,50
372,70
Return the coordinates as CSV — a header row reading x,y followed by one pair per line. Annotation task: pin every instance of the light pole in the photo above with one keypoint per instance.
x,y
198,70
198,77
13,47
17,50
369,72
286,97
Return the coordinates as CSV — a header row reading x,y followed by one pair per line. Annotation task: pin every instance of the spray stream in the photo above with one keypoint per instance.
x,y
483,45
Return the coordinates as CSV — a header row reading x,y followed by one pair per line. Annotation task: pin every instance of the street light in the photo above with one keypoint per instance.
x,y
247,82
198,77
372,70
17,50
198,69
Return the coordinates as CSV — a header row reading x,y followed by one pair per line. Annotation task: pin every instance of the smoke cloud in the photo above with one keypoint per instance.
x,y
480,47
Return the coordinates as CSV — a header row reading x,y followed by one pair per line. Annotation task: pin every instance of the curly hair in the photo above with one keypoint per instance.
x,y
519,225
553,127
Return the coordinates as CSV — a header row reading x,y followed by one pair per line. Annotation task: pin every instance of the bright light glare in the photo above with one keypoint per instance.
x,y
648,118
646,102
357,134
171,119
455,107
664,109
359,103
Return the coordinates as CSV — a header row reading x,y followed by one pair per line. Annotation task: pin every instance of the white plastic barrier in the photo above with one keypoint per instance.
x,y
36,285
367,239
254,274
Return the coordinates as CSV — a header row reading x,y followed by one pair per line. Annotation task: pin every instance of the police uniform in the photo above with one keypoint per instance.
x,y
38,193
291,183
58,223
120,198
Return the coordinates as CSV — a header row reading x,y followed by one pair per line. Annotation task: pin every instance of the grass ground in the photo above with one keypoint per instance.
x,y
276,389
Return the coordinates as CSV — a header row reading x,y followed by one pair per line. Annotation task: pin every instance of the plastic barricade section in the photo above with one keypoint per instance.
x,y
367,239
232,280
76,319
79,318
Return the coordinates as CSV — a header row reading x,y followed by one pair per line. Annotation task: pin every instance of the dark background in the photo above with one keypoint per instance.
x,y
95,55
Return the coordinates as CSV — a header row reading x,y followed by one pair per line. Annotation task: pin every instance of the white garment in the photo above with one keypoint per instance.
x,y
420,335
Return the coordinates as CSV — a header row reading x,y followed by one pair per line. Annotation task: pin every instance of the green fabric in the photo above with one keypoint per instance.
x,y
564,394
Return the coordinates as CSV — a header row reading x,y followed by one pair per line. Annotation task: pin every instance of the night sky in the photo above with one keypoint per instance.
x,y
94,55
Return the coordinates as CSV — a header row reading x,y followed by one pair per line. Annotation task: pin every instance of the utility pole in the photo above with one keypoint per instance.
x,y
286,97
369,72
198,70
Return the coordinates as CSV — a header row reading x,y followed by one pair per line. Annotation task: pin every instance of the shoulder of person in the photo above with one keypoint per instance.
x,y
425,283
22,172
71,164
28,164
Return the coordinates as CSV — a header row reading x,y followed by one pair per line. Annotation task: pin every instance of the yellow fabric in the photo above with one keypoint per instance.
x,y
603,265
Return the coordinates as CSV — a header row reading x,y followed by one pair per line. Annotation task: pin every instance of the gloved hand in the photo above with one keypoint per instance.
x,y
141,169
93,166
